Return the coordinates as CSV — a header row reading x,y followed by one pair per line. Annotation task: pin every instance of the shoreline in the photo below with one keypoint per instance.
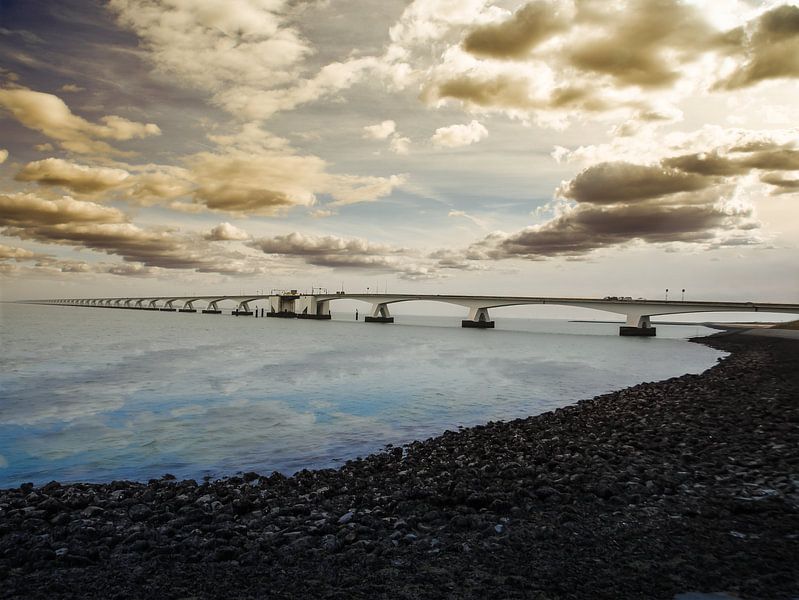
x,y
687,484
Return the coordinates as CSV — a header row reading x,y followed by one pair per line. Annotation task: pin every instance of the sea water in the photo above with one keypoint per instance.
x,y
89,394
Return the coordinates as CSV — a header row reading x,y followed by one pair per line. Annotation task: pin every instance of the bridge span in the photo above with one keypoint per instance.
x,y
294,304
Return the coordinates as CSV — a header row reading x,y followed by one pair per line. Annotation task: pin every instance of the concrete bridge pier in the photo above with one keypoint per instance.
x,y
379,314
283,305
212,309
242,310
168,306
478,318
638,326
311,308
188,307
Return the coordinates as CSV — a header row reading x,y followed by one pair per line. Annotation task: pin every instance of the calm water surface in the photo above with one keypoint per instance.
x,y
95,395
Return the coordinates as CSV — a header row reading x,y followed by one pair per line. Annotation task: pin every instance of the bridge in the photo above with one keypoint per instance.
x,y
294,304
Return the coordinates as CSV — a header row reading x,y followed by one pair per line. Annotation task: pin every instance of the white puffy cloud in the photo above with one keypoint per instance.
x,y
244,52
226,232
459,135
381,131
400,144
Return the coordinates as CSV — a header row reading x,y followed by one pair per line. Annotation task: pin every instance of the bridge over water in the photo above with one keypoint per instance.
x,y
294,304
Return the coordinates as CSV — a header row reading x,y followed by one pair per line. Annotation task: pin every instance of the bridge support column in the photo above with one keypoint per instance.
x,y
212,309
313,309
638,326
188,307
242,310
379,314
478,318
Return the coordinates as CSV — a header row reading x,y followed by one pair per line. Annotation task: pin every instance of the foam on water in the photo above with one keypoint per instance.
x,y
95,395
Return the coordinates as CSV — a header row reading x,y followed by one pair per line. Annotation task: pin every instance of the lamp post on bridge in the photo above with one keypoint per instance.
x,y
667,294
683,295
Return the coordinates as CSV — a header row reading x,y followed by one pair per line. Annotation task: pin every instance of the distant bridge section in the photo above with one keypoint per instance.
x,y
294,304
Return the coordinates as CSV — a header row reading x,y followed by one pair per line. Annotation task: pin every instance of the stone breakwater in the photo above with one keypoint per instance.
x,y
686,484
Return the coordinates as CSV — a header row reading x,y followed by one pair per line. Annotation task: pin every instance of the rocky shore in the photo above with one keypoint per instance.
x,y
688,484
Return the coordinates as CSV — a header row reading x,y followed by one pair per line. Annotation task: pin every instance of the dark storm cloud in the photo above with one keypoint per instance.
x,y
345,253
591,227
682,198
611,183
770,46
783,184
592,58
514,38
512,93
643,44
761,156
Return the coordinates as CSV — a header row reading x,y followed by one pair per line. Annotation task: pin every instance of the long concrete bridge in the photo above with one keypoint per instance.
x,y
294,304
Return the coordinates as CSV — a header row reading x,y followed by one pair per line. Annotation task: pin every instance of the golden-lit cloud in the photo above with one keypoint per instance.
x,y
30,211
83,224
80,179
49,115
14,253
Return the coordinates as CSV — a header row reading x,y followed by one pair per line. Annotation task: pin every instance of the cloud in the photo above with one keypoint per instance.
x,y
252,173
244,52
17,254
381,131
345,253
515,37
46,147
3,156
80,179
298,244
585,228
49,115
226,232
783,184
71,88
611,183
400,144
468,217
456,136
770,47
698,198
557,61
385,130
82,224
29,210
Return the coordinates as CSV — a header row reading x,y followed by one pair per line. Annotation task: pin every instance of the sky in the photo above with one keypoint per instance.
x,y
543,148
